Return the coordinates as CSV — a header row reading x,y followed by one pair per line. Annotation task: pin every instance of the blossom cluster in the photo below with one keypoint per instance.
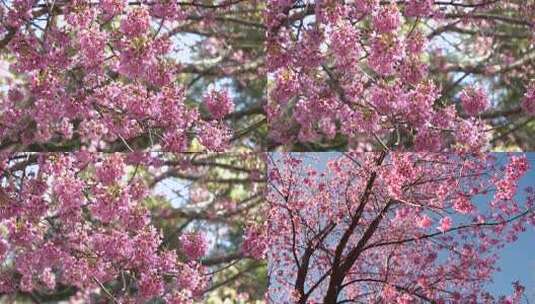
x,y
194,245
528,103
104,77
354,72
97,227
78,221
254,243
474,100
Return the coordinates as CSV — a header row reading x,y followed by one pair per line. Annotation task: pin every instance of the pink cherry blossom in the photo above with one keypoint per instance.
x,y
254,243
366,6
474,100
339,54
218,103
419,8
112,7
528,103
136,23
463,205
91,222
194,245
108,77
425,222
48,278
387,19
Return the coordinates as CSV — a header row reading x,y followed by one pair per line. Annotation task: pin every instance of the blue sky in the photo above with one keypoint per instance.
x,y
517,260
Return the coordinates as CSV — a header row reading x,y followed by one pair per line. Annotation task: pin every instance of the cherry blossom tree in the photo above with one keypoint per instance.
x,y
117,75
424,75
130,228
393,227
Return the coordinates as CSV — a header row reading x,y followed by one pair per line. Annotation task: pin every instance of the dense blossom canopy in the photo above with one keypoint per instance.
x,y
393,227
123,75
93,226
420,74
